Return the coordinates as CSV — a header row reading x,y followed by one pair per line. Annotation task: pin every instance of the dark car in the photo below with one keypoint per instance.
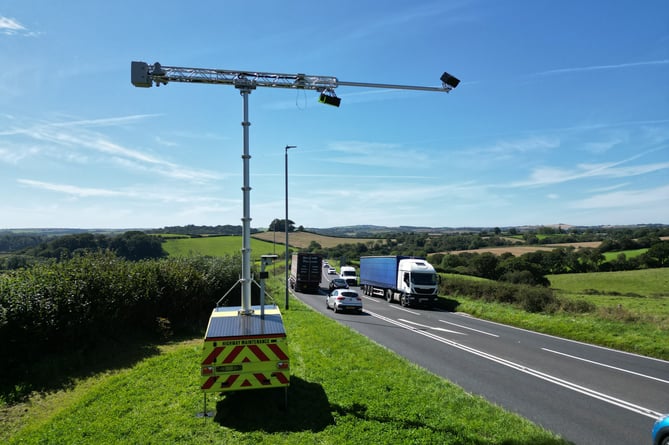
x,y
661,431
338,283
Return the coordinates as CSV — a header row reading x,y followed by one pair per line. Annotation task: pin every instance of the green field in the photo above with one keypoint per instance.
x,y
630,310
608,256
646,282
218,246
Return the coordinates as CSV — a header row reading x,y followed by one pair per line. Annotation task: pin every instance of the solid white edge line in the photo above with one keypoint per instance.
x,y
547,377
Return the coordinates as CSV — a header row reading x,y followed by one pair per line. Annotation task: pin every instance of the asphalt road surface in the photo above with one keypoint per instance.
x,y
587,394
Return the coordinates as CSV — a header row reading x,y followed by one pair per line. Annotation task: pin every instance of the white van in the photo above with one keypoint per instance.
x,y
349,274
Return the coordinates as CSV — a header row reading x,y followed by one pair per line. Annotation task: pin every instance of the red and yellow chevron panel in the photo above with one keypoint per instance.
x,y
250,360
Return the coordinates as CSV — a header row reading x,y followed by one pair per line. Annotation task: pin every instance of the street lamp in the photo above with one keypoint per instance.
x,y
285,225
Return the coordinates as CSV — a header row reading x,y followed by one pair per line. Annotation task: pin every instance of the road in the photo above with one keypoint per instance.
x,y
587,394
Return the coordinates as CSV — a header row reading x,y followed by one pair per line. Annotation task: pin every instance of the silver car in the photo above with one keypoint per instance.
x,y
344,299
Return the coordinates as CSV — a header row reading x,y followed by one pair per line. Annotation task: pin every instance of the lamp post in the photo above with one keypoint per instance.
x,y
285,225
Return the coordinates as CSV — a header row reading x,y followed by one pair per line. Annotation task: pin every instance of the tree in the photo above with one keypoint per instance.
x,y
279,225
660,252
136,245
485,265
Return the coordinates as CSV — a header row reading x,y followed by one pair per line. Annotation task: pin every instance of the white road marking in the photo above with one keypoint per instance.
x,y
471,329
462,314
538,374
400,308
431,327
607,366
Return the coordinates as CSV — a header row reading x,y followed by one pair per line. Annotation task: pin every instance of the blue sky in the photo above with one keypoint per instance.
x,y
561,116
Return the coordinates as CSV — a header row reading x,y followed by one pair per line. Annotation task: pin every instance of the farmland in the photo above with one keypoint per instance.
x,y
522,249
261,243
368,406
215,246
302,240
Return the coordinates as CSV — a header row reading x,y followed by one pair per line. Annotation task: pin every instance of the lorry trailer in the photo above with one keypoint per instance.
x,y
411,281
305,272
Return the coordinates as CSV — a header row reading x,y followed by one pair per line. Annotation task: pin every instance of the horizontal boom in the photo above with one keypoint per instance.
x,y
145,75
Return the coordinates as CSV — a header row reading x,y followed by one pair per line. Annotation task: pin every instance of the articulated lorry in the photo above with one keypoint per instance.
x,y
305,272
411,281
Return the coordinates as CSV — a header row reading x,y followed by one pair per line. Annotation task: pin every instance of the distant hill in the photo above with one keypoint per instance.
x,y
375,231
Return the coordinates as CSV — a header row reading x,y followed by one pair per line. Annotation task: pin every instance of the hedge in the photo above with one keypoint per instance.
x,y
72,305
529,298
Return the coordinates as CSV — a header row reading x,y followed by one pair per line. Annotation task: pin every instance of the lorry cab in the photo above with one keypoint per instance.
x,y
418,279
349,274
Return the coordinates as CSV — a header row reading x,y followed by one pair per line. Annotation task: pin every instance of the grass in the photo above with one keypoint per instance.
x,y
608,256
217,246
346,391
304,239
631,310
645,282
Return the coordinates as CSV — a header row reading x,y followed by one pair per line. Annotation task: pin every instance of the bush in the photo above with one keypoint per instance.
x,y
74,305
529,298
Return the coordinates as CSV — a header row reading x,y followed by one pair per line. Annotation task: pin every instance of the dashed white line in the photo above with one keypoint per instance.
x,y
606,366
400,308
430,327
471,329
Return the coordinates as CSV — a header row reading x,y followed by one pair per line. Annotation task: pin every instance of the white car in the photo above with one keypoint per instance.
x,y
332,271
344,299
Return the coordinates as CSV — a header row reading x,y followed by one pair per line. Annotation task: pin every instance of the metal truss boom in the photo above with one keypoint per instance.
x,y
145,75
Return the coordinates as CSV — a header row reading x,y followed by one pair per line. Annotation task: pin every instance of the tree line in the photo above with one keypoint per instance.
x,y
131,245
195,230
529,268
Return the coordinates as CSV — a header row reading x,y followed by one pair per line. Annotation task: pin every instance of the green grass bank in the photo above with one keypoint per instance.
x,y
348,391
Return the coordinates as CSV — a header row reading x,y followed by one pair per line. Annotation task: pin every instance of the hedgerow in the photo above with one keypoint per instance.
x,y
530,298
75,304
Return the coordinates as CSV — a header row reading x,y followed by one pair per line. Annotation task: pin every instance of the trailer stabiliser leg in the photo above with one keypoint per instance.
x,y
204,414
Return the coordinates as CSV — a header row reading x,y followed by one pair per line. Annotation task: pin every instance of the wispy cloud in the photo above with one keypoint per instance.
x,y
550,175
10,26
391,18
378,154
602,67
658,196
522,146
140,192
75,135
80,192
104,122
